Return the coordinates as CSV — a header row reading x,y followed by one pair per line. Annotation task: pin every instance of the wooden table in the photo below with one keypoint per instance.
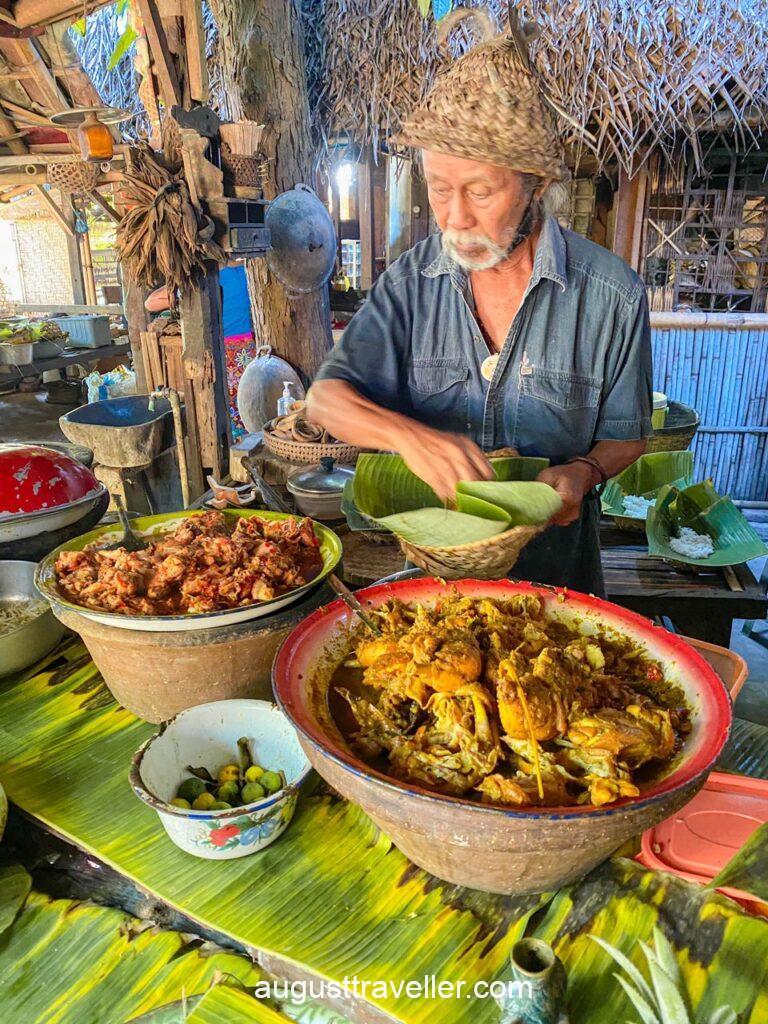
x,y
70,357
701,606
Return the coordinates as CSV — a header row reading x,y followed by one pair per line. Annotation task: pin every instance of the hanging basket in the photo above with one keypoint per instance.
x,y
73,176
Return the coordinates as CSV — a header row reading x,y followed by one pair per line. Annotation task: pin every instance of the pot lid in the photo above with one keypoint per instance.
x,y
303,243
327,478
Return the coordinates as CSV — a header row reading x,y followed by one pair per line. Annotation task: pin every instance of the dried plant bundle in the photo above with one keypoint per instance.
x,y
163,238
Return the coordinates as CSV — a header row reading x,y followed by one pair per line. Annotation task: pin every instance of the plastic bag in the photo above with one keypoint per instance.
x,y
113,384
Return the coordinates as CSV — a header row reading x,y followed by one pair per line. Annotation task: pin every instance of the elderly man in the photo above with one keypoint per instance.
x,y
504,330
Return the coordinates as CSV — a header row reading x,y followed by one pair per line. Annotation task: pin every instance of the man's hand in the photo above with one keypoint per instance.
x,y
442,460
572,483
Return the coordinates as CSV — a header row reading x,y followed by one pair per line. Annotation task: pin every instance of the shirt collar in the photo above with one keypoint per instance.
x,y
549,261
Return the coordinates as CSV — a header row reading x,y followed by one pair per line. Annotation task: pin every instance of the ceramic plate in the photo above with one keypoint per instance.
x,y
45,578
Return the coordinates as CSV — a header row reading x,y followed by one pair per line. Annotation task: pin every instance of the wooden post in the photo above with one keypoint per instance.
x,y
630,211
86,260
205,367
398,207
263,40
365,219
73,251
138,320
161,55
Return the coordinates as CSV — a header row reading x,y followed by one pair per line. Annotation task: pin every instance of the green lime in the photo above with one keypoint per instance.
x,y
271,781
190,789
181,802
229,792
204,802
252,792
229,773
254,773
221,805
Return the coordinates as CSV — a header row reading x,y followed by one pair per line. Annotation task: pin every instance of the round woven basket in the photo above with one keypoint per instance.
x,y
489,559
680,429
73,176
309,452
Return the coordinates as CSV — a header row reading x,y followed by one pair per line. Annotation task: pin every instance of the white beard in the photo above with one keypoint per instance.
x,y
494,253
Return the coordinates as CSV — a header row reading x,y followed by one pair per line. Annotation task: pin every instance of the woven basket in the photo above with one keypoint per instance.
x,y
73,176
241,170
489,559
309,452
676,436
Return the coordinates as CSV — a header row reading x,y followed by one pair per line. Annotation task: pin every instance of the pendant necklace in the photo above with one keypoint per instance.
x,y
488,366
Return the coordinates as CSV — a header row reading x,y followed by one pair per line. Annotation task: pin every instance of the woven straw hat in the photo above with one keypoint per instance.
x,y
488,105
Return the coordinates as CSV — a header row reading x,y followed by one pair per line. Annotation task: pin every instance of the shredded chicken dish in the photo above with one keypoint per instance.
x,y
205,565
492,698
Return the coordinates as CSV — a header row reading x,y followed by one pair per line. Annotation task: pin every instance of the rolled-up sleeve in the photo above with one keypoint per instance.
x,y
371,352
627,400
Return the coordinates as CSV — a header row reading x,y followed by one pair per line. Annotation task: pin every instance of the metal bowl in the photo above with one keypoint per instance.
x,y
27,643
489,846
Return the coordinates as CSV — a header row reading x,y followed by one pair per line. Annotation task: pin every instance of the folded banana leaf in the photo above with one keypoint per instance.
x,y
746,752
747,870
734,540
386,491
645,478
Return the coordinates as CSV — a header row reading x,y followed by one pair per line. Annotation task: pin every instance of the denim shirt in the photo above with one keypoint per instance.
x,y
574,369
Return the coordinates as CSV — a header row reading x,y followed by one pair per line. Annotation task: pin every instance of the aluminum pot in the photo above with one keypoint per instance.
x,y
32,640
483,846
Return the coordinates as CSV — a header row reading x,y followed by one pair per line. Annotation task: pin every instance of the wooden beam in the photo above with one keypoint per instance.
x,y
110,211
41,86
79,307
43,12
197,66
58,214
630,210
161,56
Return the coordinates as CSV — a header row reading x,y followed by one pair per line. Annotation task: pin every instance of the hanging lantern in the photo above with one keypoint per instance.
x,y
90,126
95,139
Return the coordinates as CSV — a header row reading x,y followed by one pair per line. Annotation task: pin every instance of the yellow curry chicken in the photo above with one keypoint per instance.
x,y
492,698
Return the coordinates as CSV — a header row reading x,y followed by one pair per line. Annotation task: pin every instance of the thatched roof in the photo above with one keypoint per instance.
x,y
629,76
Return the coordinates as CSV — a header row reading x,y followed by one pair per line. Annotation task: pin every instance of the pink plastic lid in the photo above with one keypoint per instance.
x,y
699,840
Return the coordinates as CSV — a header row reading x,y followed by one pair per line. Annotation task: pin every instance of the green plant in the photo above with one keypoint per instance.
x,y
664,1000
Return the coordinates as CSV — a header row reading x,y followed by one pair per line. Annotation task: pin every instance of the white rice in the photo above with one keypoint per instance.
x,y
692,544
637,507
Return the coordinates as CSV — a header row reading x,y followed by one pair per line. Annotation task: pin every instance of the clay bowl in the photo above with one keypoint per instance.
x,y
490,847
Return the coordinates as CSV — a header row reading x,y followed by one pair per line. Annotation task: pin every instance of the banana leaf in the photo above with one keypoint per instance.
x,y
621,902
748,870
74,963
224,1003
518,467
645,478
15,884
384,486
331,895
526,503
442,527
355,518
734,540
385,490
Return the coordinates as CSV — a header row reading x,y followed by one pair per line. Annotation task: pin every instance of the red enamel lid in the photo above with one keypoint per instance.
x,y
699,840
33,478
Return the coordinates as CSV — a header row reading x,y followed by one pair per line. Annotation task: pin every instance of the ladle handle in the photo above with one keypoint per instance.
x,y
352,602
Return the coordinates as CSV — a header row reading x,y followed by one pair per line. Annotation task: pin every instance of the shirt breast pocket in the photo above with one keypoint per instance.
x,y
439,393
557,412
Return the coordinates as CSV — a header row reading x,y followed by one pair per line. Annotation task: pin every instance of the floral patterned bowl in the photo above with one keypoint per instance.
x,y
207,735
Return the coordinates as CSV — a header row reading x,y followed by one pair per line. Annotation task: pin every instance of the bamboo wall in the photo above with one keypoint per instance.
x,y
721,369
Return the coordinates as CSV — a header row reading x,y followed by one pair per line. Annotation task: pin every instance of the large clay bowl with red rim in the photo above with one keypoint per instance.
x,y
491,847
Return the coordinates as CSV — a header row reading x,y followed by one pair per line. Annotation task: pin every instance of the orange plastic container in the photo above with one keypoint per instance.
x,y
731,667
698,841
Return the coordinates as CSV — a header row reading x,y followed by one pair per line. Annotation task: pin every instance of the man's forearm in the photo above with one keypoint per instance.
x,y
614,456
350,417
